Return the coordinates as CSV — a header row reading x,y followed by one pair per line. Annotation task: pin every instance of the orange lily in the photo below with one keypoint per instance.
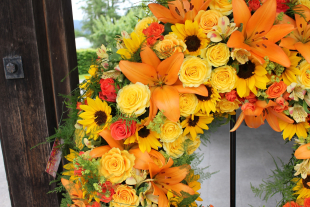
x,y
256,118
162,79
168,178
259,35
179,11
75,193
299,39
303,152
142,159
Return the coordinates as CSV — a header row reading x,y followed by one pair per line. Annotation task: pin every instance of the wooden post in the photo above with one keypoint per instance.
x,y
41,32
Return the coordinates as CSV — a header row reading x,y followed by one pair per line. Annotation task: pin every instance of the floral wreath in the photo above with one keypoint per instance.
x,y
131,136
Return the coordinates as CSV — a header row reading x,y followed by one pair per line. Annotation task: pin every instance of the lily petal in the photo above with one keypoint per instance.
x,y
106,134
142,159
99,151
163,201
301,23
138,72
176,9
238,122
304,50
173,175
282,116
273,51
288,43
236,40
279,31
200,90
273,121
149,57
166,99
241,13
169,68
163,14
262,20
254,121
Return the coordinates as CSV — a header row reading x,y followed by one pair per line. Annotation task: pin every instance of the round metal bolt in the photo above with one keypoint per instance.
x,y
11,68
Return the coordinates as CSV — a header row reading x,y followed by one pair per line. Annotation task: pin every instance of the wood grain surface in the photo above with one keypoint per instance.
x,y
41,31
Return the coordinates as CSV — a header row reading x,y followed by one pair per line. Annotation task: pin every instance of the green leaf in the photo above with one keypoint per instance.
x,y
241,27
167,28
305,106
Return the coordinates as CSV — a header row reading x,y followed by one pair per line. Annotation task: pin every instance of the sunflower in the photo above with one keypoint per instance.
x,y
206,104
193,36
93,73
145,137
302,188
251,75
96,116
132,45
194,124
289,130
70,167
289,74
192,182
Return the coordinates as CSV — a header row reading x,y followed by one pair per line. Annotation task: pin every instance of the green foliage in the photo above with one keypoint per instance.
x,y
85,58
187,199
66,200
156,123
279,182
93,9
106,28
79,33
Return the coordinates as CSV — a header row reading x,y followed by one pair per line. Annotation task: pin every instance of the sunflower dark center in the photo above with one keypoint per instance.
x,y
144,132
193,122
305,181
205,98
246,70
192,43
100,117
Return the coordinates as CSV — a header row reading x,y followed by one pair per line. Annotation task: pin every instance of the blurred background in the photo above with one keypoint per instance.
x,y
98,22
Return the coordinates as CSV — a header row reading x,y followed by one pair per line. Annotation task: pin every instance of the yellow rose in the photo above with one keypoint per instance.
x,y
170,131
133,98
225,106
169,45
242,55
193,145
223,79
188,103
304,77
222,6
175,149
208,19
194,71
125,196
216,55
305,3
144,23
116,165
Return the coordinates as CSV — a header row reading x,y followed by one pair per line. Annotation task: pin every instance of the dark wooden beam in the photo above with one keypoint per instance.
x,y
41,32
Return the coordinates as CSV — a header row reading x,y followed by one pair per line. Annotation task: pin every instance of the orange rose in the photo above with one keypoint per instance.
x,y
116,165
276,89
248,106
125,196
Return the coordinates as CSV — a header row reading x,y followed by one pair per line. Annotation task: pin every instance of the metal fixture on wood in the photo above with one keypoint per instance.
x,y
13,67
